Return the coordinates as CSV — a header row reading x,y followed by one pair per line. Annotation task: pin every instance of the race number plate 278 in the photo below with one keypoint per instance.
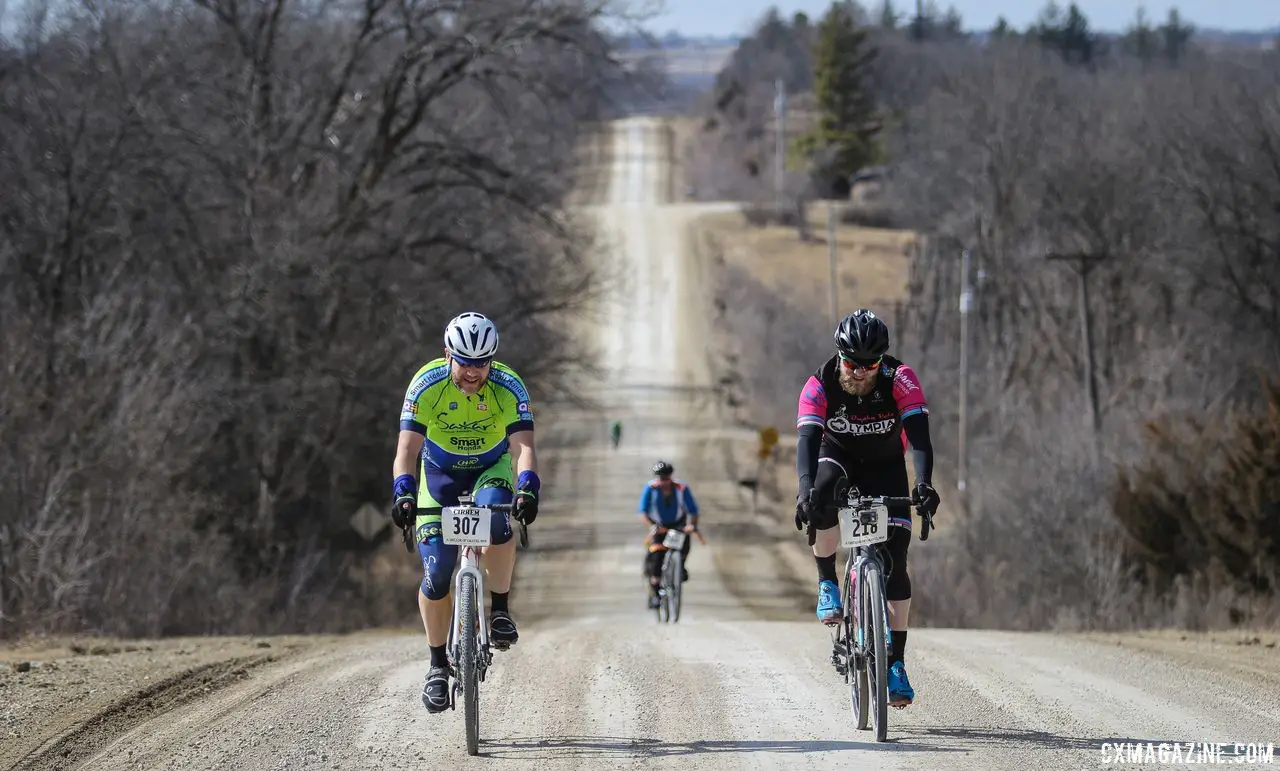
x,y
854,532
466,525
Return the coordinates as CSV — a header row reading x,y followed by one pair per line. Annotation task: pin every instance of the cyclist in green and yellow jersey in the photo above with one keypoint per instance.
x,y
464,418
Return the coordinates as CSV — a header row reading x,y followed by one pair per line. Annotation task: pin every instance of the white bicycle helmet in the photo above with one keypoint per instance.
x,y
471,336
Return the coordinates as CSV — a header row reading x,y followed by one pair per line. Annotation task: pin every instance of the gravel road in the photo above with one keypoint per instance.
x,y
743,681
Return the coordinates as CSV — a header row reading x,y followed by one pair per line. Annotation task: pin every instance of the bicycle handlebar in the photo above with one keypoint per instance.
x,y
406,531
429,510
926,518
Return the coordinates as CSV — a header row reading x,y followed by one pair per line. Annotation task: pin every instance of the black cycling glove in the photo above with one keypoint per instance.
x,y
926,498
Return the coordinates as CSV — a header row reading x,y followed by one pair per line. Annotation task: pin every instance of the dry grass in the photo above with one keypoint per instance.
x,y
871,263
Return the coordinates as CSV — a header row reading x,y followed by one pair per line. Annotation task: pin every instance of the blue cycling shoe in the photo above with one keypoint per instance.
x,y
829,608
900,691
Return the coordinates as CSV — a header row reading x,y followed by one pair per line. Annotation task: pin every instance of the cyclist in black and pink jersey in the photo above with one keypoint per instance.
x,y
852,415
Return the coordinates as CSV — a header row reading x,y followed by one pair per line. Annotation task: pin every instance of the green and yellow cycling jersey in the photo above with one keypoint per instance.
x,y
465,432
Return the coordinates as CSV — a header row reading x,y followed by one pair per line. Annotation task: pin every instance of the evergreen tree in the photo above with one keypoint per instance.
x,y
888,15
1140,39
844,139
1175,35
1002,30
924,22
1077,40
1067,33
952,24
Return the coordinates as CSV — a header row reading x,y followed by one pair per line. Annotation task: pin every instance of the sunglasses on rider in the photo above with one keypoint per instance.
x,y
859,364
464,361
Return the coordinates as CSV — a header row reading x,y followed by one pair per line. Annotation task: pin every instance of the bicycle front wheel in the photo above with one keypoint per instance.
x,y
468,663
664,591
855,665
878,666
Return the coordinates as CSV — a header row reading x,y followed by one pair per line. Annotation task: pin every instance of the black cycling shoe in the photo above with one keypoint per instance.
x,y
502,630
435,691
653,602
684,576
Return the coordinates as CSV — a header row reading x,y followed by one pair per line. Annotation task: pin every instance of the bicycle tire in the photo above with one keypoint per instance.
x,y
677,585
664,594
878,667
856,675
468,663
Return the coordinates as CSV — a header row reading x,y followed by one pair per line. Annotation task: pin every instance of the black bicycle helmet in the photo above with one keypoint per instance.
x,y
862,336
662,469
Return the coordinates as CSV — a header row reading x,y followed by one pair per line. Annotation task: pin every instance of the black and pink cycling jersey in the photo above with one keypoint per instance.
x,y
866,427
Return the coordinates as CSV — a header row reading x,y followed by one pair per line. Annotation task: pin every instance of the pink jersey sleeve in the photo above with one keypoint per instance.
x,y
812,410
908,394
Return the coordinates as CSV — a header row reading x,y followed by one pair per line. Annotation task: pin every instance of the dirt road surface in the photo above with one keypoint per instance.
x,y
742,682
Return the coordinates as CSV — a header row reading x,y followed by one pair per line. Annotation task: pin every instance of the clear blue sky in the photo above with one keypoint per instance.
x,y
736,17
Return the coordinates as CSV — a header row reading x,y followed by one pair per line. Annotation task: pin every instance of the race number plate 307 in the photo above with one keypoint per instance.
x,y
466,525
854,532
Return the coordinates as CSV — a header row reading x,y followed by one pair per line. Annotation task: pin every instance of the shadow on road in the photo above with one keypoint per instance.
x,y
532,748
977,738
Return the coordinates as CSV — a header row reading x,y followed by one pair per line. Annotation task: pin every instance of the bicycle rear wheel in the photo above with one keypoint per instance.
x,y
676,584
878,666
856,674
468,664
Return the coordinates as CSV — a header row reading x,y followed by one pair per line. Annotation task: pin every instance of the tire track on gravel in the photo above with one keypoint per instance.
x,y
71,747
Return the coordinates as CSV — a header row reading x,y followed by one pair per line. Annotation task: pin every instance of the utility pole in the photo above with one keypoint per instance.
x,y
831,259
1082,264
966,305
780,143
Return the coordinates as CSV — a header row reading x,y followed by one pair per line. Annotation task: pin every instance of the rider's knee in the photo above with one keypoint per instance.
x,y
437,566
897,585
653,563
500,521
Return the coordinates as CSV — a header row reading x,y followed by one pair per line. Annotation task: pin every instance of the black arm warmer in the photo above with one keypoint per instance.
x,y
917,428
807,455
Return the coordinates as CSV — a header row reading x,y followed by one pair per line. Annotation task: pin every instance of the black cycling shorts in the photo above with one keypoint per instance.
x,y
879,477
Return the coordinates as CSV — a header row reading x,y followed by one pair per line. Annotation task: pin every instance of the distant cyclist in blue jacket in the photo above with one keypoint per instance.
x,y
666,504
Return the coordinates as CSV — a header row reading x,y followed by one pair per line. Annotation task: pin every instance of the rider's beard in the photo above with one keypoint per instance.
x,y
463,385
856,387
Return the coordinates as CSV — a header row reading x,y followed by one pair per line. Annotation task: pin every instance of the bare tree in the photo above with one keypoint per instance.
x,y
231,233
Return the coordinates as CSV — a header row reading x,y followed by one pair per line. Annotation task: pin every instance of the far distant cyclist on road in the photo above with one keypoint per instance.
x,y
666,504
615,433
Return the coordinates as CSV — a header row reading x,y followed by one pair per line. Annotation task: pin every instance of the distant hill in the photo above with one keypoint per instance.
x,y
673,40
1250,38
